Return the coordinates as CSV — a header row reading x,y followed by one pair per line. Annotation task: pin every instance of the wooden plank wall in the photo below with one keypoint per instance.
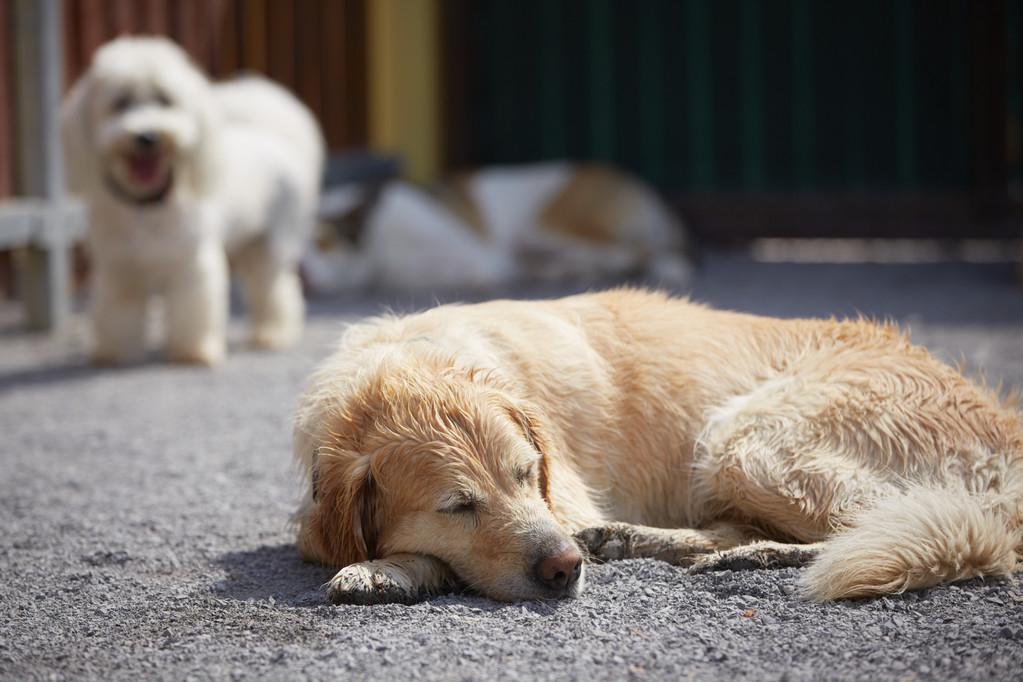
x,y
317,48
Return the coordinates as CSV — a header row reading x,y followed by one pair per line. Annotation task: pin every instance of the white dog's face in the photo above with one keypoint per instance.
x,y
139,113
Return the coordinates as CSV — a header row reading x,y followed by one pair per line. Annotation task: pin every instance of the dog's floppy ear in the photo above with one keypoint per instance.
x,y
529,422
205,159
195,92
343,520
80,167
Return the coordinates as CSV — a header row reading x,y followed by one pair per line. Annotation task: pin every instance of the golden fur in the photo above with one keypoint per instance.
x,y
465,443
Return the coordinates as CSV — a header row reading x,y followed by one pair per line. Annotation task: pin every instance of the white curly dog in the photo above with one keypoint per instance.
x,y
182,175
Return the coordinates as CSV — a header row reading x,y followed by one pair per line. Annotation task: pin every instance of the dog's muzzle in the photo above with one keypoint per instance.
x,y
143,159
146,140
559,572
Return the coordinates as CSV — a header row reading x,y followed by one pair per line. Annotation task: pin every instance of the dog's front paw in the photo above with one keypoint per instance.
x,y
759,555
208,353
606,543
275,336
372,582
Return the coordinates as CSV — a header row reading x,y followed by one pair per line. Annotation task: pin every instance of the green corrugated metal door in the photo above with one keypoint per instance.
x,y
778,96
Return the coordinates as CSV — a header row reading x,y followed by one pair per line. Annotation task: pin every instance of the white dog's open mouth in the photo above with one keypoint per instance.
x,y
141,176
144,167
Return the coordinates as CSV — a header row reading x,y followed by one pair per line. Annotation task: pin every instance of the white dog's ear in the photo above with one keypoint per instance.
x,y
81,168
205,158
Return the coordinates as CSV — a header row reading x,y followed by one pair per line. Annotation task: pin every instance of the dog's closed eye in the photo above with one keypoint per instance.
x,y
526,474
461,505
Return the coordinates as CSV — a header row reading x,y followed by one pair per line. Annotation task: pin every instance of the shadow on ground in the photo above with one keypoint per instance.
x,y
275,571
53,374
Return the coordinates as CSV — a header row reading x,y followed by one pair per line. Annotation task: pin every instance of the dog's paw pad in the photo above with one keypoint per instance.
x,y
365,585
603,543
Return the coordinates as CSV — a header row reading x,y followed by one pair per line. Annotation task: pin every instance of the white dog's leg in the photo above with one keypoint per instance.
x,y
273,294
680,546
400,578
118,319
197,308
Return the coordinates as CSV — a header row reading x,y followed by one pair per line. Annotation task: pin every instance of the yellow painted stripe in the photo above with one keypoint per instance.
x,y
404,80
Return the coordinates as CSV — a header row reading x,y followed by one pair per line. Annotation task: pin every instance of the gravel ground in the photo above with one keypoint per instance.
x,y
143,530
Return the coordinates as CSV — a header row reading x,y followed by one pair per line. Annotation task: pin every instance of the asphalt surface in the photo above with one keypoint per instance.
x,y
144,529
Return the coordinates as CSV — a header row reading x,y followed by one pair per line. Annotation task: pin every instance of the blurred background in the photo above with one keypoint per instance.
x,y
765,124
826,157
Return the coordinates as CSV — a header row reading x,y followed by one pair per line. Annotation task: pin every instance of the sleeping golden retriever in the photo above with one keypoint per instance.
x,y
494,446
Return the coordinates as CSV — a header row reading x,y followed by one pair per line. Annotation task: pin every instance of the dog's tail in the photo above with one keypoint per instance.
x,y
923,537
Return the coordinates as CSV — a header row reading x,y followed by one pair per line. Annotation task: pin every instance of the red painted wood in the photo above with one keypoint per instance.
x,y
316,48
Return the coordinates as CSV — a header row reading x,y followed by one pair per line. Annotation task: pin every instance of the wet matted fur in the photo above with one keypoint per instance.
x,y
469,444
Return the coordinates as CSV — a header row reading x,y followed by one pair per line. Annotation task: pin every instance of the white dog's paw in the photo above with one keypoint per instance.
x,y
208,353
275,336
205,359
372,582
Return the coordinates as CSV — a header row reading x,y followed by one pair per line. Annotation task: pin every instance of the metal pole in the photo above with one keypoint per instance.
x,y
45,265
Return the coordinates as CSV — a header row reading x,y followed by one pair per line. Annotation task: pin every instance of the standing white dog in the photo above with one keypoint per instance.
x,y
181,174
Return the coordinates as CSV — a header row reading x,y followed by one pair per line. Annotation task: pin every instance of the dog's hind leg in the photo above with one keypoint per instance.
x,y
273,295
789,458
900,476
680,546
398,579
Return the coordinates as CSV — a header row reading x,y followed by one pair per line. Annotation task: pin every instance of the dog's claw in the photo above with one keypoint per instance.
x,y
364,585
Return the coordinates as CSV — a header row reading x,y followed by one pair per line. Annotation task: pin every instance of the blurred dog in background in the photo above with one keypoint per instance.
x,y
500,225
180,175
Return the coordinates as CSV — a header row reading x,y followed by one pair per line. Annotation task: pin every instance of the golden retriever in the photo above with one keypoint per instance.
x,y
495,445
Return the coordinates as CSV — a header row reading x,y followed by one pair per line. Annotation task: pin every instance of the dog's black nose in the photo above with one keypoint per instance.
x,y
561,570
146,140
